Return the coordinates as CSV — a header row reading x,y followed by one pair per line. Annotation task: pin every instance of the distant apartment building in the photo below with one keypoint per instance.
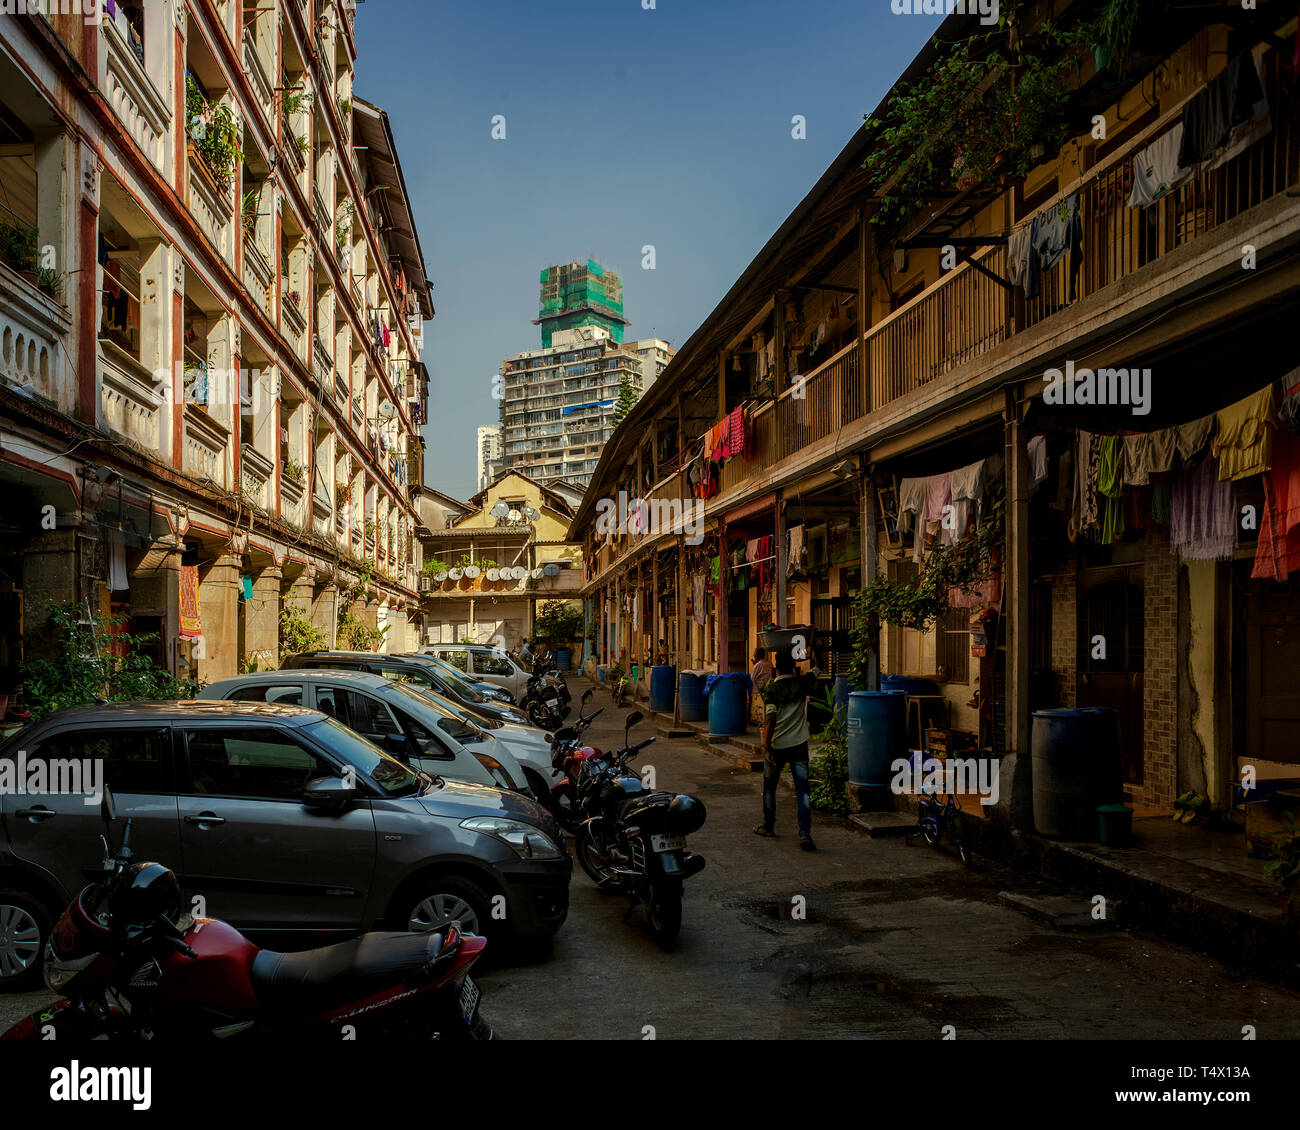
x,y
489,453
559,401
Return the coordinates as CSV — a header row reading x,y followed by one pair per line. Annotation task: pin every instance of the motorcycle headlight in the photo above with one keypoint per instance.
x,y
524,840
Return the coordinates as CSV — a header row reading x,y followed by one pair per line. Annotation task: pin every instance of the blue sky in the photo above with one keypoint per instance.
x,y
624,127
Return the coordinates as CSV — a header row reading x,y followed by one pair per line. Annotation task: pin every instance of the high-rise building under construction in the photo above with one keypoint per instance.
x,y
559,402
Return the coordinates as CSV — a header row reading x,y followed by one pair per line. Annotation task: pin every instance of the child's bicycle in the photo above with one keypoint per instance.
x,y
935,818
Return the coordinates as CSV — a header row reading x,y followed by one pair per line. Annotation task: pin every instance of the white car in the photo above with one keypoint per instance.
x,y
397,717
485,664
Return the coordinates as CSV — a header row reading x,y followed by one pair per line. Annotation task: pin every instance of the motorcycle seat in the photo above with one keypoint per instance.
x,y
314,980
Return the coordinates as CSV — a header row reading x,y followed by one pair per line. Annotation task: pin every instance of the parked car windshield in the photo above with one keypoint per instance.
x,y
457,679
387,772
450,721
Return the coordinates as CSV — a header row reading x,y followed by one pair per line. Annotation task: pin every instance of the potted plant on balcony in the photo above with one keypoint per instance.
x,y
213,134
293,97
19,248
345,105
294,471
252,198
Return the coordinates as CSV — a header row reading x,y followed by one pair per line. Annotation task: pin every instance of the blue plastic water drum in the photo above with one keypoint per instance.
x,y
877,733
690,693
1077,766
908,684
727,702
663,685
601,668
563,656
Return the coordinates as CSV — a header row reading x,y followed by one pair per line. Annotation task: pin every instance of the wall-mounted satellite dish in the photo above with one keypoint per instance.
x,y
454,574
518,572
514,515
500,510
531,514
440,576
537,574
550,569
387,411
471,571
494,574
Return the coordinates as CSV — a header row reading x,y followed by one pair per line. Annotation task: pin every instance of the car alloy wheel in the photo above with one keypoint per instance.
x,y
20,941
438,911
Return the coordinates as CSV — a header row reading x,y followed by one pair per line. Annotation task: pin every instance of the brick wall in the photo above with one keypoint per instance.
x,y
1160,677
1065,633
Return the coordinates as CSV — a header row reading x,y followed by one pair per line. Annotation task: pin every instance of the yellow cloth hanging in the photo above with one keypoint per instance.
x,y
1243,443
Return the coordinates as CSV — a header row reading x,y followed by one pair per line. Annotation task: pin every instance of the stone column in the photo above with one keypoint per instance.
x,y
324,611
262,619
49,575
217,650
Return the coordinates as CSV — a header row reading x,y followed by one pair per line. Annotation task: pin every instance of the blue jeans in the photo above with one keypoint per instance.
x,y
797,758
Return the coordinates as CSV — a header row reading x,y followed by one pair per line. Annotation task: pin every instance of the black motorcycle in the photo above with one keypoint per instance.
x,y
567,754
546,699
633,839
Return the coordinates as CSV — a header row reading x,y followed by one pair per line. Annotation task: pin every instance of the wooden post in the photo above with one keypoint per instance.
x,y
866,247
870,563
1016,600
654,605
722,384
724,588
779,598
681,612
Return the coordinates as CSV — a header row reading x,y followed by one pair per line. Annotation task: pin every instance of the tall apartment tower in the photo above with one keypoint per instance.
x,y
489,454
558,405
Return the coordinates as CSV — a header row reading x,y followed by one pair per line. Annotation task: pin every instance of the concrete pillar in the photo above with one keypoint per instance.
x,y
870,566
1015,797
262,619
49,575
324,611
217,651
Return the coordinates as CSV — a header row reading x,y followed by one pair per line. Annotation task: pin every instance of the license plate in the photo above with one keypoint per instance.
x,y
469,995
667,843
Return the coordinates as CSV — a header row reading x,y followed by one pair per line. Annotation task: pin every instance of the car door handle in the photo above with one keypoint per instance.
x,y
36,814
205,818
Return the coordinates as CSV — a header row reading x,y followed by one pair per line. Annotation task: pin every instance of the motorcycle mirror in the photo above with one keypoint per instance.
x,y
107,808
586,696
631,720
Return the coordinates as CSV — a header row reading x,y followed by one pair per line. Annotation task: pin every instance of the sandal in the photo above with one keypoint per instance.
x,y
763,830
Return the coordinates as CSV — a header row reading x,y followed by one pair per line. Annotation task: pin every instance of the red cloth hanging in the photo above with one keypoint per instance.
x,y
1277,555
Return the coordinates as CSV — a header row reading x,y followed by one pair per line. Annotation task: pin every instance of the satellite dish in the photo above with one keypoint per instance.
x,y
500,510
551,570
531,514
387,411
471,571
537,574
494,574
519,572
454,574
440,576
514,515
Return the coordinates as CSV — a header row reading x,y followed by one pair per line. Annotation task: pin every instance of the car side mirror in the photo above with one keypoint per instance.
x,y
331,794
396,745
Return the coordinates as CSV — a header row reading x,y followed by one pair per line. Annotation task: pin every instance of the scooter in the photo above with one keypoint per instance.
x,y
133,967
633,840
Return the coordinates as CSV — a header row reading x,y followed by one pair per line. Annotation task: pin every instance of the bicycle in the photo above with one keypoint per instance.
x,y
935,818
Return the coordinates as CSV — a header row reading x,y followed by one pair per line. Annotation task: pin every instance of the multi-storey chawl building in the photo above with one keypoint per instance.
x,y
211,308
877,381
558,405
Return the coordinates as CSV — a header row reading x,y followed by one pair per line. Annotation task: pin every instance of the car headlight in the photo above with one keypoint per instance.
x,y
524,840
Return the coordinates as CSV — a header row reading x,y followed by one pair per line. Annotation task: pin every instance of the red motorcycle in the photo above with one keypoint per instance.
x,y
132,967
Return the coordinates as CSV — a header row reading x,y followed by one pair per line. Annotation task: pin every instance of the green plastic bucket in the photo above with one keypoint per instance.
x,y
1115,824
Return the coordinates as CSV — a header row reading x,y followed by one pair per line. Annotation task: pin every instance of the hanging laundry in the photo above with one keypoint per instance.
x,y
1163,447
1161,504
965,496
1245,437
1018,244
1037,451
1277,555
698,611
117,579
1191,439
795,557
736,429
1203,521
1135,460
938,496
1227,115
1111,489
911,501
1156,171
1056,232
1085,519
